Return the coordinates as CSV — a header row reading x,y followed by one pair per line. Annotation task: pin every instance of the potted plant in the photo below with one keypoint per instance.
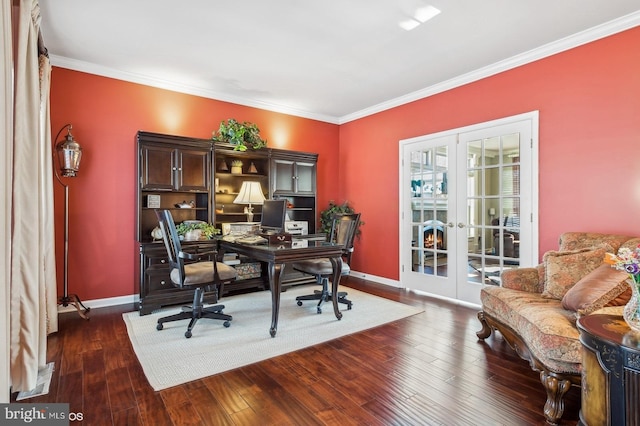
x,y
326,216
241,135
236,167
196,230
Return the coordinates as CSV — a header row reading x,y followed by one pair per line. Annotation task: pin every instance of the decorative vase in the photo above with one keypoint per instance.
x,y
631,313
193,235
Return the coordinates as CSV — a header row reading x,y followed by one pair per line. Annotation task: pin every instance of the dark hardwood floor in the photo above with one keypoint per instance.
x,y
428,369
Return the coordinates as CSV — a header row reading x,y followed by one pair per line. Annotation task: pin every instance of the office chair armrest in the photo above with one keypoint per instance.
x,y
213,254
200,254
188,256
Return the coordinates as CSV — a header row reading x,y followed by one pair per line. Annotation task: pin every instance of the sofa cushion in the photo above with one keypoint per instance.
x,y
548,328
604,286
631,244
565,268
582,240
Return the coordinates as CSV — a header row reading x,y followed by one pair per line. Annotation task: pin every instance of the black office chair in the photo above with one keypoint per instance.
x,y
343,232
188,272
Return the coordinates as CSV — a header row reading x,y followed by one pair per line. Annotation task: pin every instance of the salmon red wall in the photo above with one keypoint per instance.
x,y
589,135
106,114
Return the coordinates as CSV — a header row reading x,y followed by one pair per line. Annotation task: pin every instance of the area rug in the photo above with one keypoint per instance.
x,y
169,359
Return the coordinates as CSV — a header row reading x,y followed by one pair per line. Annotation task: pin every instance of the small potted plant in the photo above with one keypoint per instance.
x,y
236,167
242,135
196,230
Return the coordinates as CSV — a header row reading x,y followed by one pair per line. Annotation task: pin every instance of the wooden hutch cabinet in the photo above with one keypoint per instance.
x,y
175,170
293,176
172,170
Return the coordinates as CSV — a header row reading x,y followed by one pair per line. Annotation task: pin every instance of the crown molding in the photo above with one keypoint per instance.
x,y
618,25
90,68
570,42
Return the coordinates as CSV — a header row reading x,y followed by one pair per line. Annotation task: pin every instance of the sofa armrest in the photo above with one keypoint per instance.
x,y
524,279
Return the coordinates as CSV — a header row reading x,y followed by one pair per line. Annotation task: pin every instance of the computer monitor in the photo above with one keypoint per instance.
x,y
273,216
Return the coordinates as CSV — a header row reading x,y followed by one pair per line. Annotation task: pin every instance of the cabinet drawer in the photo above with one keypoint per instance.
x,y
157,261
158,280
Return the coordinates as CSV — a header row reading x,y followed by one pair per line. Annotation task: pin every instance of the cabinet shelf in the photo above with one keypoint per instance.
x,y
220,174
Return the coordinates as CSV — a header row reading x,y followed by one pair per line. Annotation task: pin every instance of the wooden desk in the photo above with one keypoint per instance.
x,y
277,255
610,371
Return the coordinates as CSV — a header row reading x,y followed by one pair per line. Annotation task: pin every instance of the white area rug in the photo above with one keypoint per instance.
x,y
169,359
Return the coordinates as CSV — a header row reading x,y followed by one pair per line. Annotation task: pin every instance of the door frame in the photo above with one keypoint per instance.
x,y
531,256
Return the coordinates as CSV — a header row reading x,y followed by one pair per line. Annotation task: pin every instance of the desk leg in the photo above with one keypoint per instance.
x,y
275,283
336,262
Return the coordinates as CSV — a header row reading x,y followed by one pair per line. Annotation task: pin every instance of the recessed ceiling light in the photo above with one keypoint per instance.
x,y
408,24
423,14
420,16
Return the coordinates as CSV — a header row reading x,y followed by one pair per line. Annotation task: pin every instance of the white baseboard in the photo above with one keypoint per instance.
x,y
134,298
102,303
375,279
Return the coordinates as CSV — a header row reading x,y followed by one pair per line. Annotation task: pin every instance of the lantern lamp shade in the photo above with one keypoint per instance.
x,y
69,155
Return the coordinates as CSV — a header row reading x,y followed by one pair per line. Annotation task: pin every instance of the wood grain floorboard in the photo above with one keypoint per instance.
x,y
427,369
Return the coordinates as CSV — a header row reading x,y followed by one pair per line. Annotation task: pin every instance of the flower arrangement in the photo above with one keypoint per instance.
x,y
626,260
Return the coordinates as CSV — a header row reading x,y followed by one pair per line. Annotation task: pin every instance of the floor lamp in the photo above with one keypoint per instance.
x,y
69,154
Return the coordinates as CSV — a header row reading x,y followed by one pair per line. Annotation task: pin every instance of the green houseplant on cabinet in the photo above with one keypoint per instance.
x,y
326,217
196,230
242,135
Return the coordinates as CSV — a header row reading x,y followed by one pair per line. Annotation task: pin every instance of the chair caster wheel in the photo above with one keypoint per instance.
x,y
299,302
348,307
226,324
159,326
187,334
319,310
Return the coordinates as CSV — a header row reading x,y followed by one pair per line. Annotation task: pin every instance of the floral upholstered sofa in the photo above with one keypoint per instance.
x,y
536,309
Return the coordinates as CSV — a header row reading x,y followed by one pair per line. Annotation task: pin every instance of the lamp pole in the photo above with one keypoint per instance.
x,y
69,154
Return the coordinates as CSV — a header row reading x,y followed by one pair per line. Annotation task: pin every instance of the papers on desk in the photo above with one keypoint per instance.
x,y
251,239
299,243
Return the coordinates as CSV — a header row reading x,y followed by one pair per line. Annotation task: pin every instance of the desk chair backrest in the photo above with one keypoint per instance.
x,y
343,232
172,243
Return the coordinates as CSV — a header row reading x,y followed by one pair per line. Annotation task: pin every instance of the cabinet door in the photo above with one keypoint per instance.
x,y
305,178
192,168
283,176
156,167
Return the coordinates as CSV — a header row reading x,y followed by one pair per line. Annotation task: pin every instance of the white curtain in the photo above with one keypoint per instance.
x,y
33,309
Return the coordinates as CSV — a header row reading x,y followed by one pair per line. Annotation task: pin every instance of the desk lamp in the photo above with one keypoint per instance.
x,y
250,193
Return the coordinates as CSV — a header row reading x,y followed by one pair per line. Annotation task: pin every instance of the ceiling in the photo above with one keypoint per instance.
x,y
331,60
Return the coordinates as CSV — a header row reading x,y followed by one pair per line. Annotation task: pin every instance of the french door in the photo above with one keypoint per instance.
x,y
468,206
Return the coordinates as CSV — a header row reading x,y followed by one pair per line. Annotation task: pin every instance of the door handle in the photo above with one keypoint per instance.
x,y
460,225
450,225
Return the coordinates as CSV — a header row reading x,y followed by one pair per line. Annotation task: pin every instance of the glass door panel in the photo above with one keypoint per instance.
x,y
427,215
493,191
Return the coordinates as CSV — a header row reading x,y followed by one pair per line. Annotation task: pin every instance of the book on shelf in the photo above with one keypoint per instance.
x,y
230,256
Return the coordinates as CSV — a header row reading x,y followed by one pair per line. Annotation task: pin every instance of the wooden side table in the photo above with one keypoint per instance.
x,y
610,371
